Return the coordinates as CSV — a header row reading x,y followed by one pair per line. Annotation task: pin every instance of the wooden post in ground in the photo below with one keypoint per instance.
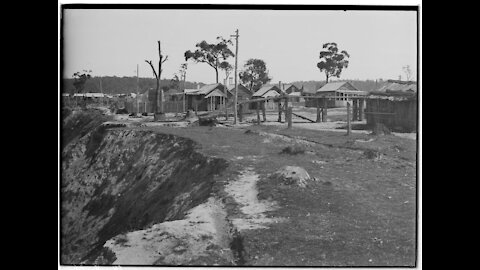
x,y
280,111
349,126
286,108
324,110
264,114
226,110
360,113
240,112
318,110
289,117
258,112
355,109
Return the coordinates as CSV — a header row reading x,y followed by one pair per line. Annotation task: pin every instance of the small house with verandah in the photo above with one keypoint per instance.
x,y
265,92
341,93
394,105
209,97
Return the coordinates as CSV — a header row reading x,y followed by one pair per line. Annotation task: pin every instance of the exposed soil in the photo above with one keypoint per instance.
x,y
193,195
252,211
118,180
203,234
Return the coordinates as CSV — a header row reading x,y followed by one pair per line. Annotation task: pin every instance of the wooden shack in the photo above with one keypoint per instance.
x,y
267,91
396,110
341,93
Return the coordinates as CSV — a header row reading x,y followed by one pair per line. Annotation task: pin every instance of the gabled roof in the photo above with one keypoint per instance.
x,y
334,86
215,93
231,88
206,89
262,91
286,86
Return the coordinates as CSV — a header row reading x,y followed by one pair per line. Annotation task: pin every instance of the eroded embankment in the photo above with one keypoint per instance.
x,y
117,180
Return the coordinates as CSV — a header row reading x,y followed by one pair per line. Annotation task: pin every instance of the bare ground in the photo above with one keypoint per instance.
x,y
361,212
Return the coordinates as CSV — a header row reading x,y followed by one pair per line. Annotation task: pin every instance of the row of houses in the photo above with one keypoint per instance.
x,y
394,104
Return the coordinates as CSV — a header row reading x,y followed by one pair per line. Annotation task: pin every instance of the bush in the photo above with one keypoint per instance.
x,y
293,150
372,154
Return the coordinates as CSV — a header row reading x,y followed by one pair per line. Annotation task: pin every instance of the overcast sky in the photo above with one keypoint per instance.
x,y
113,42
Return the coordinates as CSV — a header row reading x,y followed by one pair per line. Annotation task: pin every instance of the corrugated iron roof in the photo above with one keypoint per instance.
x,y
262,91
206,89
216,93
191,91
395,86
231,87
333,86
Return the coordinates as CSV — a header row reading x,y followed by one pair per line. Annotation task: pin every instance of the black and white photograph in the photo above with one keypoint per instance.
x,y
229,134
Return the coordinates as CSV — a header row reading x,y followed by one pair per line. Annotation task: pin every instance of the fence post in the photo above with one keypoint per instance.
x,y
360,113
264,114
318,110
349,126
226,110
355,109
289,116
258,112
280,111
240,111
286,108
324,113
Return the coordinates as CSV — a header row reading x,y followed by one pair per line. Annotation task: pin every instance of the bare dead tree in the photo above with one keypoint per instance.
x,y
157,77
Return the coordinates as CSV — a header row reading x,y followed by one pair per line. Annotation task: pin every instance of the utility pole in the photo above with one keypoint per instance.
x,y
101,90
236,85
184,79
138,105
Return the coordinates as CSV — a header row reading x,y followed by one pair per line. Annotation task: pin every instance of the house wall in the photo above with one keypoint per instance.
x,y
200,103
404,117
312,103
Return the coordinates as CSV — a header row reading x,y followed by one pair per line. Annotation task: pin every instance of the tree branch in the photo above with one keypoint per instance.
x,y
166,57
153,69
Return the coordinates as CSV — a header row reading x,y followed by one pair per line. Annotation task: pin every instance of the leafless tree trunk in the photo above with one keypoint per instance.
x,y
157,77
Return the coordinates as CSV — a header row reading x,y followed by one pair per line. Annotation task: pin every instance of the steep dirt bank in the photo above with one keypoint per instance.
x,y
116,180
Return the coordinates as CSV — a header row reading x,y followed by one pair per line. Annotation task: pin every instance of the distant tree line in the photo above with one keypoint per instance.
x,y
123,85
126,85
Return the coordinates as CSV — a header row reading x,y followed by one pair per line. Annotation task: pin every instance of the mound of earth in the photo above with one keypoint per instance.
x,y
292,175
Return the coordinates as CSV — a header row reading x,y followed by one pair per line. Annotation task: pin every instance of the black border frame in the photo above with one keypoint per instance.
x,y
415,8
